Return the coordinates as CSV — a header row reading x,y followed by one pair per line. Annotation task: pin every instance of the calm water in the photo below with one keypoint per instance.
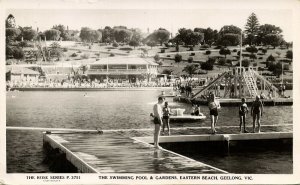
x,y
100,109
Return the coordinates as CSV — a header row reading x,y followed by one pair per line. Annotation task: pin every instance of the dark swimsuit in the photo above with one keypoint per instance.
x,y
166,113
256,107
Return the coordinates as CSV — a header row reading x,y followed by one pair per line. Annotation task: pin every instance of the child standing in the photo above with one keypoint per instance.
x,y
243,110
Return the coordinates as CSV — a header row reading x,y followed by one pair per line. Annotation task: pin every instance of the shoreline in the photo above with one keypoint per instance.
x,y
90,89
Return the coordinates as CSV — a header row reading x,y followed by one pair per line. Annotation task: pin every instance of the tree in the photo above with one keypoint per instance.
x,y
89,35
12,34
252,49
245,63
64,34
276,68
251,29
190,60
108,34
272,39
253,57
136,35
55,50
52,34
225,51
14,52
167,71
229,35
28,33
122,35
289,54
133,43
208,65
266,29
270,58
161,35
151,44
264,51
178,58
190,69
189,37
156,58
210,35
10,21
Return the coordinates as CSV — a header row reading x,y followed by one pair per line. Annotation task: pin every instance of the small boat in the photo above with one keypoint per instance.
x,y
187,117
171,94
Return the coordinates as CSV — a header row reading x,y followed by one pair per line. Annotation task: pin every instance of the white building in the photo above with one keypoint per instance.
x,y
131,69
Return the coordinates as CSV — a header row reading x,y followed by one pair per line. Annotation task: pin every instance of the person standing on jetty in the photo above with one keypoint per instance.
x,y
157,110
243,110
166,117
213,106
257,112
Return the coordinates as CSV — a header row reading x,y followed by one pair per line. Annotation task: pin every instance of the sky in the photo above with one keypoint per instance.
x,y
171,19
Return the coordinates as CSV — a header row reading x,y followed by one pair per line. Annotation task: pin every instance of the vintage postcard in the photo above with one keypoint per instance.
x,y
149,92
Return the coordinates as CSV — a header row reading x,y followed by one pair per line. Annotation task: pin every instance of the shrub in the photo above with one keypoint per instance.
x,y
168,56
126,49
208,65
228,61
245,63
65,49
218,47
97,54
208,52
109,47
190,60
191,48
270,58
177,48
252,49
90,47
115,44
79,51
204,46
264,50
192,54
112,55
166,44
74,55
162,50
85,56
286,67
260,58
222,61
67,59
246,55
234,50
254,64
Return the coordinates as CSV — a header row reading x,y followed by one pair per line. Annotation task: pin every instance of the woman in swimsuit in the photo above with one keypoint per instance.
x,y
256,112
213,106
166,117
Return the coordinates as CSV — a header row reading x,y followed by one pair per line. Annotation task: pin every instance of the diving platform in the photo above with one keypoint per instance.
x,y
131,150
236,101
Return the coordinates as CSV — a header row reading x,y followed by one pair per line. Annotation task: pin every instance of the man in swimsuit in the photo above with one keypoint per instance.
x,y
157,110
257,112
213,106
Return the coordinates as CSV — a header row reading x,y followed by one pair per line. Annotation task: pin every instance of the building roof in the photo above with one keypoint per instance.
x,y
125,60
20,70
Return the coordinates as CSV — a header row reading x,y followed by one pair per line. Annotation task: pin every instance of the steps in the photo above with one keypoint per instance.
x,y
251,83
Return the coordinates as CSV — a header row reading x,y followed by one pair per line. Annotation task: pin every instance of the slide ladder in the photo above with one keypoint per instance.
x,y
269,84
251,83
211,84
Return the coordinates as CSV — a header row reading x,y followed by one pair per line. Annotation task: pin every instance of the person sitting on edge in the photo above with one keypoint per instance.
x,y
196,110
213,106
157,110
166,117
243,110
257,112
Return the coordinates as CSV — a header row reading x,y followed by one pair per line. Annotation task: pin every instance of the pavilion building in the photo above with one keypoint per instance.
x,y
120,69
